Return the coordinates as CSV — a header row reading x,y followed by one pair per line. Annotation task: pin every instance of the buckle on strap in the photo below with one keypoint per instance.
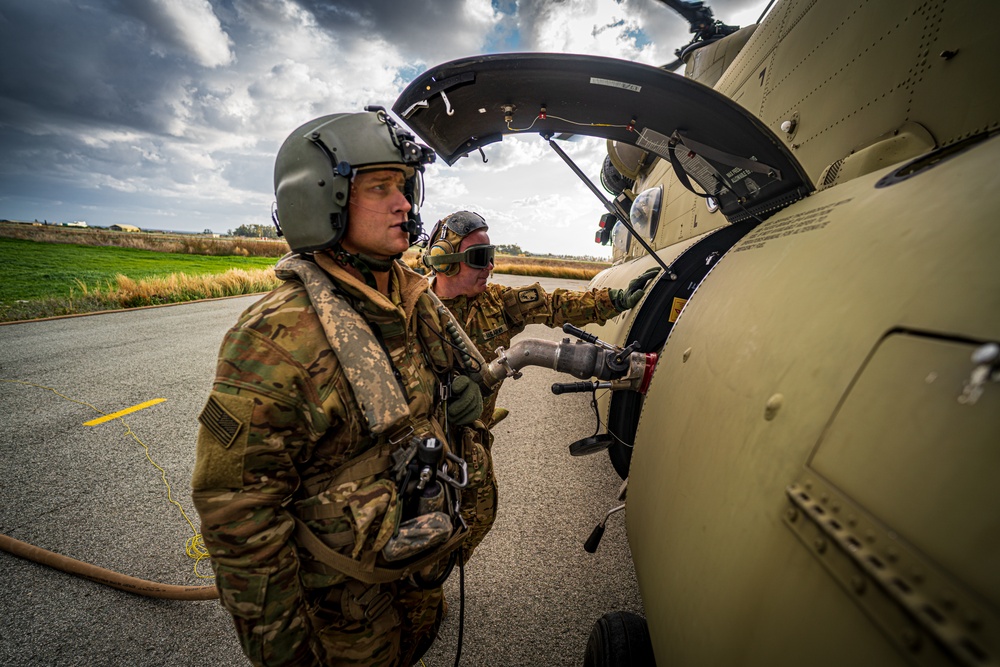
x,y
369,604
378,606
404,432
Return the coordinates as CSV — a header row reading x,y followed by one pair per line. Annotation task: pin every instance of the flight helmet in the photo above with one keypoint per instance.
x,y
316,163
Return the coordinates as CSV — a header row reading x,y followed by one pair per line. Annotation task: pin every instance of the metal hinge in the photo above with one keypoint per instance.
x,y
920,609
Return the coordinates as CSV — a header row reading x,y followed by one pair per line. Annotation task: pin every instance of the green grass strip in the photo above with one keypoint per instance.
x,y
37,270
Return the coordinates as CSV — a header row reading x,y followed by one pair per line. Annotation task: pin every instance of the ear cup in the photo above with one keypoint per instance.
x,y
442,247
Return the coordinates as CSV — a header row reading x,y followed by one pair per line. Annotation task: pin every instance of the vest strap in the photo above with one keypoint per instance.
x,y
361,357
368,572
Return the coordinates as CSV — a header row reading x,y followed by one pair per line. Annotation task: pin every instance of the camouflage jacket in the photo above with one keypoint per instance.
x,y
494,317
282,414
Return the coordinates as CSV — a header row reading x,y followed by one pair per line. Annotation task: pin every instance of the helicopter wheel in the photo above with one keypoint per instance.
x,y
619,639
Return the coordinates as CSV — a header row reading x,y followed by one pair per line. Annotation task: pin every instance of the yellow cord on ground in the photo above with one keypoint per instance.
x,y
195,546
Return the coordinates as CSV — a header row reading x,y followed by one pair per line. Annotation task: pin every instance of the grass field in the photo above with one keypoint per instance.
x,y
34,270
51,271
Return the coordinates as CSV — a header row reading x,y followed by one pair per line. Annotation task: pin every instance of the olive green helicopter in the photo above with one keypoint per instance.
x,y
806,403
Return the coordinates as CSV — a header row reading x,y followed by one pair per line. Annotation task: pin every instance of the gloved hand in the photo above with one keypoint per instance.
x,y
625,299
466,402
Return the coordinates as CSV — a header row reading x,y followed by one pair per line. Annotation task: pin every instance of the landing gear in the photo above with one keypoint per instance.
x,y
619,639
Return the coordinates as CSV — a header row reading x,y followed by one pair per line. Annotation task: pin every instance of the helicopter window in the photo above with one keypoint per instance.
x,y
645,212
620,239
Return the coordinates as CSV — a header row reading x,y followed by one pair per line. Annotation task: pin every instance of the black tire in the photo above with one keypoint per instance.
x,y
619,639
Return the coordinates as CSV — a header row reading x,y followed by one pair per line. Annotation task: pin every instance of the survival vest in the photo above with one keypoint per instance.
x,y
371,376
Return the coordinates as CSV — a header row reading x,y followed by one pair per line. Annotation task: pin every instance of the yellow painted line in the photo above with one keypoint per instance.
x,y
122,413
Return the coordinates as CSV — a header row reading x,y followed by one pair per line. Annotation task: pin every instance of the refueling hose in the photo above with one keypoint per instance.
x,y
122,582
625,368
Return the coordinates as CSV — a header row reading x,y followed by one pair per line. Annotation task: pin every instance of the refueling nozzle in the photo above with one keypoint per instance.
x,y
615,368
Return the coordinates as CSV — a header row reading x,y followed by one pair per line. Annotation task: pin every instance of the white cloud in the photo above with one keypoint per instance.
x,y
527,194
186,26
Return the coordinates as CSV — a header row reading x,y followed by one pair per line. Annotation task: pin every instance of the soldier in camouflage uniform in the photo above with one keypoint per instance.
x,y
461,257
321,388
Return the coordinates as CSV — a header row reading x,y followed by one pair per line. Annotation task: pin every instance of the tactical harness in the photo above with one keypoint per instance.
x,y
388,417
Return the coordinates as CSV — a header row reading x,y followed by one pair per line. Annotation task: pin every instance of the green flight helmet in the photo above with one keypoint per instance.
x,y
315,165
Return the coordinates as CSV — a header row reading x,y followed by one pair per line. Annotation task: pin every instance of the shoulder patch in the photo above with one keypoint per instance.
x,y
527,295
222,442
220,422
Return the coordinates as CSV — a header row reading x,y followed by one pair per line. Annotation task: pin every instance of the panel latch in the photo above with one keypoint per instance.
x,y
987,360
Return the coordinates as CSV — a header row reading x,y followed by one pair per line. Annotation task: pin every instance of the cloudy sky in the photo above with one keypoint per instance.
x,y
167,114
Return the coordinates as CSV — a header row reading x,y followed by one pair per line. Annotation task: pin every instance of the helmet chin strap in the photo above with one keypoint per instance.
x,y
364,264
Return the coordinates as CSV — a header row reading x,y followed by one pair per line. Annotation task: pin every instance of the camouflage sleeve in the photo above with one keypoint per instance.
x,y
254,425
533,305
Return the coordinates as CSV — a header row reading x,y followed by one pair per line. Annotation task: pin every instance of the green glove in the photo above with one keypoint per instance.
x,y
625,299
466,402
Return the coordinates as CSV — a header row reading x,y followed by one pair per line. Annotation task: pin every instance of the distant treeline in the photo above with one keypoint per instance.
x,y
510,258
190,244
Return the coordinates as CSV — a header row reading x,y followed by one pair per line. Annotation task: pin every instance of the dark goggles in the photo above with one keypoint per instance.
x,y
475,256
478,256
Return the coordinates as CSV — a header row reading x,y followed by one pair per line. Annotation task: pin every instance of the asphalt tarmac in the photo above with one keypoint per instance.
x,y
93,493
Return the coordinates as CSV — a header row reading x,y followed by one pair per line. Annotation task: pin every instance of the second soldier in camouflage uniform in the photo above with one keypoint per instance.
x,y
318,385
461,256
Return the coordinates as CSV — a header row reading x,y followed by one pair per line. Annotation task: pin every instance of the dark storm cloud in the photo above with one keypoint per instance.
x,y
103,97
110,65
409,24
429,29
73,62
